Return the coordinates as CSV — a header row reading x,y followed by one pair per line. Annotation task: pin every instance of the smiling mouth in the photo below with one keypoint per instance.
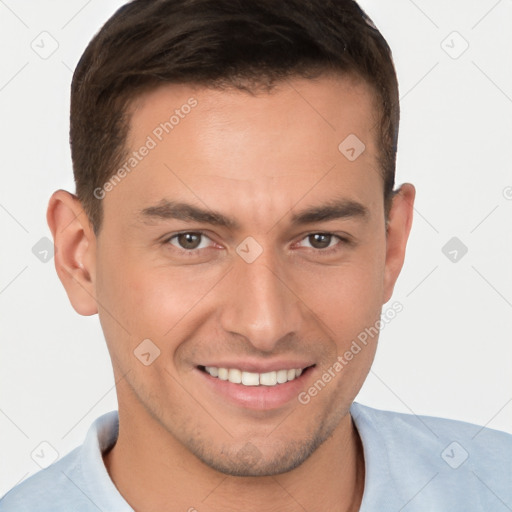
x,y
269,379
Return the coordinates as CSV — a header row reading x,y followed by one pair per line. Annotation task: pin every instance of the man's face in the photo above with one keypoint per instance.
x,y
257,285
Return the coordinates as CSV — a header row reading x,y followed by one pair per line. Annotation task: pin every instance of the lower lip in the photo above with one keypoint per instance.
x,y
257,397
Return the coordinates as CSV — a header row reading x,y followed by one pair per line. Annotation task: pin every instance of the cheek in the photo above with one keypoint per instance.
x,y
143,299
346,296
150,298
347,301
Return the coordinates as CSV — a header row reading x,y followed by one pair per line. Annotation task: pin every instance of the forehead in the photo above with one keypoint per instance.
x,y
325,109
194,143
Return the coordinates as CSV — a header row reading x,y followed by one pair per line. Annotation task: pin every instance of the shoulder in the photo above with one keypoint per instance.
x,y
51,489
77,481
452,459
395,423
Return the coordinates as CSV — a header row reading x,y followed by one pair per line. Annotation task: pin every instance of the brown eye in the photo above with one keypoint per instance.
x,y
187,241
320,240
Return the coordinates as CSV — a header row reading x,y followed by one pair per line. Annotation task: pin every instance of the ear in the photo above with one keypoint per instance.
x,y
398,229
75,250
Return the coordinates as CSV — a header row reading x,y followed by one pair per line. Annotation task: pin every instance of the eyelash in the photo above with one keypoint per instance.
x,y
193,252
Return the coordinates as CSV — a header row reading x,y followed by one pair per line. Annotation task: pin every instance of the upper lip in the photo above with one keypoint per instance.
x,y
261,366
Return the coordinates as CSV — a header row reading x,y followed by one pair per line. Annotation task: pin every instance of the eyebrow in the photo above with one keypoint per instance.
x,y
331,210
166,210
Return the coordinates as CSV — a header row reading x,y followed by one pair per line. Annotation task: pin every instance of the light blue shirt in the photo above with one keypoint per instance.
x,y
413,463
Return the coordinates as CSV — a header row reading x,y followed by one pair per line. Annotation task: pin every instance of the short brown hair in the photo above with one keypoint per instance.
x,y
217,43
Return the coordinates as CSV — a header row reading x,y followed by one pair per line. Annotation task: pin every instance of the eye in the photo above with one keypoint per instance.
x,y
189,241
322,241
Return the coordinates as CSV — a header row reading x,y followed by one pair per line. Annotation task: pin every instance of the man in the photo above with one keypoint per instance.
x,y
236,228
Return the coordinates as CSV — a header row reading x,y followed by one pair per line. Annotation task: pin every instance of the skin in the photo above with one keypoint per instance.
x,y
259,160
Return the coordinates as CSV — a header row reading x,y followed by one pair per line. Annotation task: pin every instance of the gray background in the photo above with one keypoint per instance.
x,y
448,353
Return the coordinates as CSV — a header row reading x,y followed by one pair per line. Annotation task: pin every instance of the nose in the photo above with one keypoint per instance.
x,y
260,303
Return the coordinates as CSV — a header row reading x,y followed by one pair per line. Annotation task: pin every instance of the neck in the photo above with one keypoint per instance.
x,y
148,481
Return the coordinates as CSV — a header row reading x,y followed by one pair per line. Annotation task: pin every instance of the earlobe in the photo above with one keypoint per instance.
x,y
398,229
75,246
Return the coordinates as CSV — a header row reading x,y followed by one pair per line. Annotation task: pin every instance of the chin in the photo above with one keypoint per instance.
x,y
250,461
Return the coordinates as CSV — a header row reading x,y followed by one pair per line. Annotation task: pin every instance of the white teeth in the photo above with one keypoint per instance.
x,y
235,376
268,379
250,379
253,379
213,371
282,376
